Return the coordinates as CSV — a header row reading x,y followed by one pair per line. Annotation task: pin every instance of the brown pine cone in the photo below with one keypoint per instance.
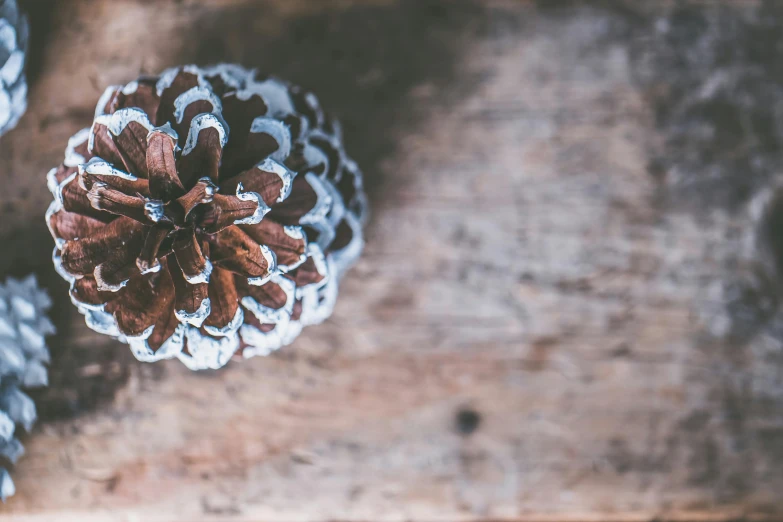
x,y
206,212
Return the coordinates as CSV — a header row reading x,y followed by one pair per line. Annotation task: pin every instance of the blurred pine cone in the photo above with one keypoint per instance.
x,y
13,48
23,353
206,212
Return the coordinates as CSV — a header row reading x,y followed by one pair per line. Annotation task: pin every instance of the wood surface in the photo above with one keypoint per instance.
x,y
545,323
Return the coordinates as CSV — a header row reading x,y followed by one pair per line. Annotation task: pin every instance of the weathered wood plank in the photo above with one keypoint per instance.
x,y
538,330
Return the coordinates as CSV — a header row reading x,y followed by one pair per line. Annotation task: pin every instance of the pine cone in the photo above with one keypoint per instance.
x,y
13,48
206,212
23,353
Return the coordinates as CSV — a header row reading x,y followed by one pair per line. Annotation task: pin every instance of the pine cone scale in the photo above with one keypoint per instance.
x,y
99,171
75,199
85,290
303,200
234,250
150,251
142,94
223,300
69,226
241,112
190,258
165,184
82,255
115,272
270,180
271,295
139,304
130,140
202,151
164,331
224,211
289,243
104,197
308,273
169,88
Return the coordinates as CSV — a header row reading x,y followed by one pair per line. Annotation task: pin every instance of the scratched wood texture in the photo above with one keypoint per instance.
x,y
539,328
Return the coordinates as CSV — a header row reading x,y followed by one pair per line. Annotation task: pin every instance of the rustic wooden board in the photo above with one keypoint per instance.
x,y
540,329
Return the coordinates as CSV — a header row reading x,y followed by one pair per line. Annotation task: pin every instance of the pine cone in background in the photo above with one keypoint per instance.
x,y
13,48
206,212
23,353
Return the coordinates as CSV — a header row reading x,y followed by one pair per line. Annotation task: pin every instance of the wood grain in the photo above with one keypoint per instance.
x,y
534,332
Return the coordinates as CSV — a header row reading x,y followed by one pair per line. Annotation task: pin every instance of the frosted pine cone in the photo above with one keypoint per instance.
x,y
13,48
206,212
23,353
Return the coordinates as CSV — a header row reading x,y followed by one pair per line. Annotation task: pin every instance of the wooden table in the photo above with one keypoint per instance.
x,y
540,329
